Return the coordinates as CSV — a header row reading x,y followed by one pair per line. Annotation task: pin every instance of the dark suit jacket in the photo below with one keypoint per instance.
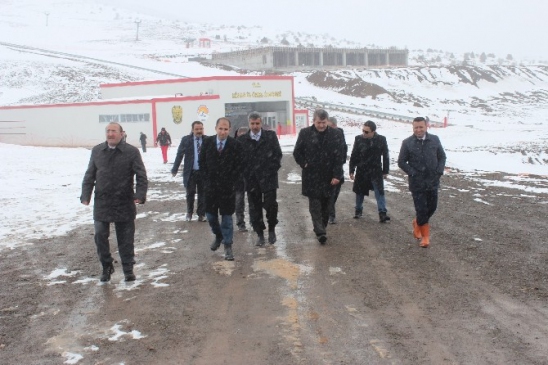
x,y
261,161
186,150
220,173
422,161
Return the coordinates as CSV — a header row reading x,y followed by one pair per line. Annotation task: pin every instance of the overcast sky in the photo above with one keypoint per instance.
x,y
518,27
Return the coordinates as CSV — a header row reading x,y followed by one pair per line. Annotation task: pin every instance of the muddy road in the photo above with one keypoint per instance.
x,y
478,295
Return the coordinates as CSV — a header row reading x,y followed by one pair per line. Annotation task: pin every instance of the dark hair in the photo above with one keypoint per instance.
x,y
419,119
333,120
371,125
320,113
254,116
241,131
223,118
196,122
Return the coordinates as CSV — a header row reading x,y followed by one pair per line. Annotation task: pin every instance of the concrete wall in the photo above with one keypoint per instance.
x,y
296,58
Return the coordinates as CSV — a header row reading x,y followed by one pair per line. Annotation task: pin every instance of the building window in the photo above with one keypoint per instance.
x,y
125,118
109,118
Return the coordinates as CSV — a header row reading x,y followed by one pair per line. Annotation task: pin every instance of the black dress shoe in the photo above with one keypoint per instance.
x,y
108,269
272,237
216,243
260,241
322,239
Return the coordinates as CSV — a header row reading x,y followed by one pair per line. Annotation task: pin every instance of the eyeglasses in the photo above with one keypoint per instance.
x,y
366,132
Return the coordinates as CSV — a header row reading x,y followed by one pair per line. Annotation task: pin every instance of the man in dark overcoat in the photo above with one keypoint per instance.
x,y
143,140
112,168
371,162
332,123
220,162
189,149
262,156
318,151
422,157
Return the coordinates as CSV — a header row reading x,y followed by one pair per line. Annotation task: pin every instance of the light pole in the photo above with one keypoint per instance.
x,y
47,16
137,22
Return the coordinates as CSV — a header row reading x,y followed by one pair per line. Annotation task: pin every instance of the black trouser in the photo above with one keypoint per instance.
x,y
335,190
259,201
195,183
240,206
144,146
125,233
319,211
426,203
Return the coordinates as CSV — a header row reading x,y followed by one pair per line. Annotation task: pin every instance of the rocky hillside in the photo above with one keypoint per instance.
x,y
489,88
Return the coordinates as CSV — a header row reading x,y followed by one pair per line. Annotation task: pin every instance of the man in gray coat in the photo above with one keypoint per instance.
x,y
111,171
423,159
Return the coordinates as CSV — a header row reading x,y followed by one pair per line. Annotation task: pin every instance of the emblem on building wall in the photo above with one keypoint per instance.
x,y
203,113
177,113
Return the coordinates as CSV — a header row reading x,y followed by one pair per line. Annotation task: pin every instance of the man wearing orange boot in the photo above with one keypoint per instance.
x,y
423,159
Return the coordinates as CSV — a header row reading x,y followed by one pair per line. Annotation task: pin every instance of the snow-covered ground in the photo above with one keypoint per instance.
x,y
41,186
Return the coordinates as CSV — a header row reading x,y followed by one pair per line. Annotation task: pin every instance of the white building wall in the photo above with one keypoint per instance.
x,y
206,111
175,87
71,125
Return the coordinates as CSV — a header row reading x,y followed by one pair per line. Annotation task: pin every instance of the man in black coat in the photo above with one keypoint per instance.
x,y
423,159
371,161
190,148
143,140
239,191
220,163
112,167
332,123
318,151
262,160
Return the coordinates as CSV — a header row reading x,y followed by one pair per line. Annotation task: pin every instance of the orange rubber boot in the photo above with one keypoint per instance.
x,y
416,230
425,230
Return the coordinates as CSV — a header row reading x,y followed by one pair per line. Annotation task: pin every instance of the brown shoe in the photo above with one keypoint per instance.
x,y
425,231
416,230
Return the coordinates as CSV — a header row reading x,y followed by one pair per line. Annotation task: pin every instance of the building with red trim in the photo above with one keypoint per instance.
x,y
147,106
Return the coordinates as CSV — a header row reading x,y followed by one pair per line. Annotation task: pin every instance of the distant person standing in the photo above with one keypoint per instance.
x,y
240,192
111,170
371,162
164,140
262,156
143,140
190,148
332,123
221,168
319,153
423,159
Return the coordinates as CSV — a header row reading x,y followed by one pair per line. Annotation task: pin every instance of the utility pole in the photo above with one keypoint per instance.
x,y
47,16
137,22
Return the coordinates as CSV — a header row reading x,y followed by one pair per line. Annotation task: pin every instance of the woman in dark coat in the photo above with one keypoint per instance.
x,y
371,162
